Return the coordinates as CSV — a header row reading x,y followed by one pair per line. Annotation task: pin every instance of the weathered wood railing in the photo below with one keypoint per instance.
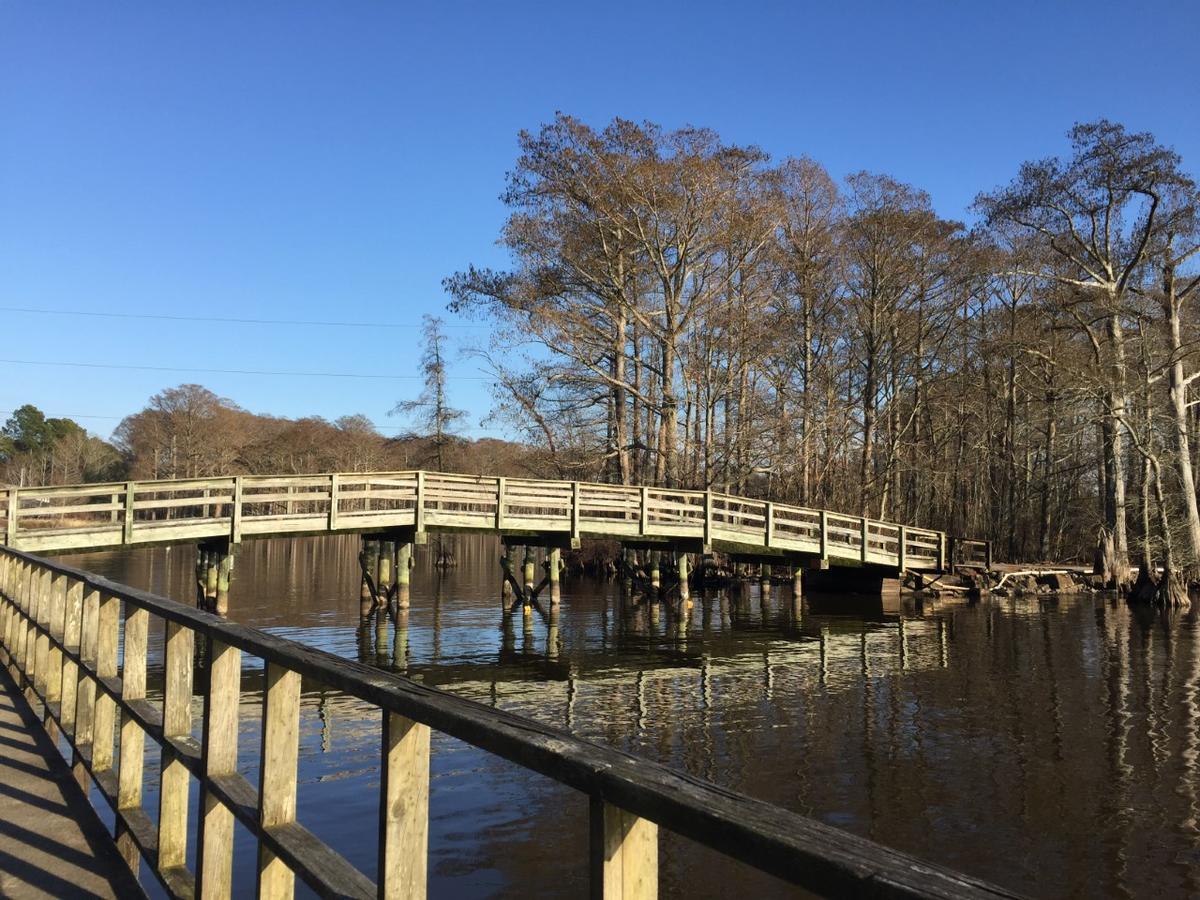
x,y
77,644
970,554
105,515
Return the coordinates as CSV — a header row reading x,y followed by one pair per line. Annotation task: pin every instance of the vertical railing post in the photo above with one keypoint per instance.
x,y
708,520
127,531
623,850
419,508
644,511
85,698
54,661
823,537
987,556
133,739
214,863
72,625
500,503
277,774
103,714
41,621
29,639
6,566
177,723
334,500
902,550
235,523
941,551
866,530
10,524
17,625
574,512
404,808
769,522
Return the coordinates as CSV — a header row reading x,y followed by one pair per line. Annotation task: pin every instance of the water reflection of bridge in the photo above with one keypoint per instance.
x,y
718,636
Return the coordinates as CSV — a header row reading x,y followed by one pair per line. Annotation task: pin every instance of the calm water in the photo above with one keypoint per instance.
x,y
1048,745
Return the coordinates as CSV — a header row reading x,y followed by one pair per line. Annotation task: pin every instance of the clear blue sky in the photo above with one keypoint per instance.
x,y
334,161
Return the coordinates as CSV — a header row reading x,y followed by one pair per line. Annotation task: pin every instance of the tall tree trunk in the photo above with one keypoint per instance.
x,y
1177,389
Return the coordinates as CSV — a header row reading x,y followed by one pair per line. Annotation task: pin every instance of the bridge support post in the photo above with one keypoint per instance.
x,y
655,569
797,582
383,582
214,574
553,570
369,558
224,577
404,562
212,577
529,572
506,565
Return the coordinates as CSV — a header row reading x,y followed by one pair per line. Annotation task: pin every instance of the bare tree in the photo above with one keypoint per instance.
x,y
432,409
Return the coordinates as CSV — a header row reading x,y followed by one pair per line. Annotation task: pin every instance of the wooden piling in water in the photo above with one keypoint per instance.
x,y
655,570
506,565
383,582
370,564
685,590
224,570
553,570
404,561
529,572
212,577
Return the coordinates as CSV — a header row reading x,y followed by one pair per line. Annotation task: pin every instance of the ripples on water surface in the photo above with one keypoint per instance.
x,y
1049,745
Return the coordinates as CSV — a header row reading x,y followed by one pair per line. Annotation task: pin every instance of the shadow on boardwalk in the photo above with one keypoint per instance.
x,y
51,842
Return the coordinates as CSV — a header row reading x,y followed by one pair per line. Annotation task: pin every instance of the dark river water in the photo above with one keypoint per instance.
x,y
1049,745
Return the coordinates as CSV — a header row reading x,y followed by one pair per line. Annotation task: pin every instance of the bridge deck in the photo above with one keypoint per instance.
x,y
97,516
51,843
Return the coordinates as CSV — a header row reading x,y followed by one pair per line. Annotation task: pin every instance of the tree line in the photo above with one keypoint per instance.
x,y
683,311
190,432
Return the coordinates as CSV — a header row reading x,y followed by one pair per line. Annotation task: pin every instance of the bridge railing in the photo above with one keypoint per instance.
x,y
77,645
101,515
971,554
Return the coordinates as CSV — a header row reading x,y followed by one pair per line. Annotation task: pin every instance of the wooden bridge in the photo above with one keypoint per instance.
x,y
76,646
98,516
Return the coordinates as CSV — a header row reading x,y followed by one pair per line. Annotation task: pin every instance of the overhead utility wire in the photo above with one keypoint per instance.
x,y
292,374
219,319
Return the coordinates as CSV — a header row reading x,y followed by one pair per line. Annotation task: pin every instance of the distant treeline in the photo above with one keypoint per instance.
x,y
188,431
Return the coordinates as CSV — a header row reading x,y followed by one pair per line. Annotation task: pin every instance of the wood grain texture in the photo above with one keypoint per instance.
x,y
177,722
214,867
404,808
277,774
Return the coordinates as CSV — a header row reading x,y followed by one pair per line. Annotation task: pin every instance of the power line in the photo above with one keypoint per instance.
x,y
283,373
217,319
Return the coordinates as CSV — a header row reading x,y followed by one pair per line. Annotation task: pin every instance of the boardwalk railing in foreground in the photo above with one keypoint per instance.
x,y
61,630
96,516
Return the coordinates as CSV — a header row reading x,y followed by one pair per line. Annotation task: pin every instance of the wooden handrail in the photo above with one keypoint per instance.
x,y
630,797
79,517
